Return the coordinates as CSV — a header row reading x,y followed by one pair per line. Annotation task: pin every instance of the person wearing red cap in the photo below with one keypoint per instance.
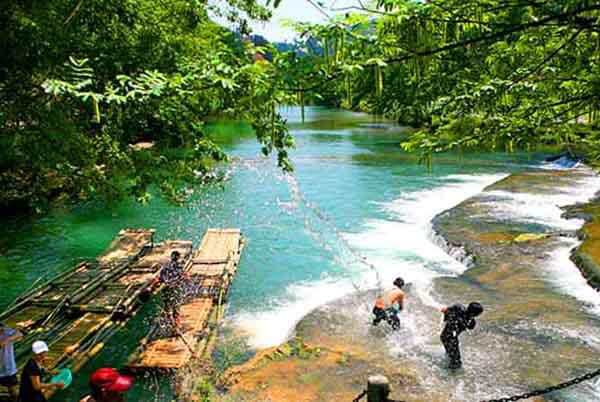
x,y
108,385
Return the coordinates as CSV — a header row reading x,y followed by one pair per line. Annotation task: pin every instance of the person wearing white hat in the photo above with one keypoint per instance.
x,y
31,389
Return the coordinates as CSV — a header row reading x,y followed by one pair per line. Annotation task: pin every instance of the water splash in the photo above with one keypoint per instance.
x,y
567,278
370,259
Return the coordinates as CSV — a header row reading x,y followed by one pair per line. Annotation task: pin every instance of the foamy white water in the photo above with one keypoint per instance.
x,y
275,324
567,278
545,208
398,246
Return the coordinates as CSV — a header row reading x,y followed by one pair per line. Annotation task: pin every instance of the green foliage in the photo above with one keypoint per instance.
x,y
204,389
109,99
497,75
233,351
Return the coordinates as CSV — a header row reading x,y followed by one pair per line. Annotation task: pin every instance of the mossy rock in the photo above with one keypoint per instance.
x,y
530,237
588,267
293,348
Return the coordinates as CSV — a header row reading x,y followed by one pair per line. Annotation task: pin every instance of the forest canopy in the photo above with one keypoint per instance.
x,y
502,74
106,99
109,99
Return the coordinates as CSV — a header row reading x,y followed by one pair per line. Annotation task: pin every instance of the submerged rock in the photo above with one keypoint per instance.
x,y
530,237
532,333
565,160
531,322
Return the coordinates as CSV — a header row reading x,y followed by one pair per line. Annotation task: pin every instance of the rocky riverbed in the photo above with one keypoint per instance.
x,y
540,325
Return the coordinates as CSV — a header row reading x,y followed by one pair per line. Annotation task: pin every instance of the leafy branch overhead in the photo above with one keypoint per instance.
x,y
499,75
110,99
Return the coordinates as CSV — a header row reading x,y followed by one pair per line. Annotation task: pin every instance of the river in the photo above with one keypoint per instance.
x,y
354,214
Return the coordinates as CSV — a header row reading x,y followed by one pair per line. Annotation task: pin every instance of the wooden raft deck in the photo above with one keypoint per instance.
x,y
77,311
211,270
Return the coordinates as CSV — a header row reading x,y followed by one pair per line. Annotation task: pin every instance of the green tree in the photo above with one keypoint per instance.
x,y
494,74
103,99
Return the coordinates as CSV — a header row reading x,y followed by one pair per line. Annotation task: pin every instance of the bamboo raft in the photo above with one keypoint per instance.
x,y
77,311
210,270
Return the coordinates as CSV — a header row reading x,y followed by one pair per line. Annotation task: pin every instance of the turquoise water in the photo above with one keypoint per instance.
x,y
306,233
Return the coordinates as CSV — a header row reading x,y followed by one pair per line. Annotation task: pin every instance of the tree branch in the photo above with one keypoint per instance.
x,y
73,13
550,56
496,35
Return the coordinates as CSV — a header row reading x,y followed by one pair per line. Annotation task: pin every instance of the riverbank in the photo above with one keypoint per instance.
x,y
535,331
587,255
329,359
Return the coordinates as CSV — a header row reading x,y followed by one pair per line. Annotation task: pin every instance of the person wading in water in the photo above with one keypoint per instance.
x,y
384,306
457,319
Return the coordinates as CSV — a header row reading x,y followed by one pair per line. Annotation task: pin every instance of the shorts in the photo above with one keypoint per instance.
x,y
9,381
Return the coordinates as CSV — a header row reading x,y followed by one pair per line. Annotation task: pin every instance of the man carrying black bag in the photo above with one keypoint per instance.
x,y
457,319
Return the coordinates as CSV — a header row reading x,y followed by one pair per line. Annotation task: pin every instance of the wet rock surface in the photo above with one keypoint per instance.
x,y
329,359
587,255
532,334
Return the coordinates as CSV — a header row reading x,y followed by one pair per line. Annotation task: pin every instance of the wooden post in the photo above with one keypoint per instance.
x,y
378,388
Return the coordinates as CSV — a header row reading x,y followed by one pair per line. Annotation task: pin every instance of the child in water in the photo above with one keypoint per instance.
x,y
384,306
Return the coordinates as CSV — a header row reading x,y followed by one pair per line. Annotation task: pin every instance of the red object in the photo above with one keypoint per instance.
x,y
109,379
258,57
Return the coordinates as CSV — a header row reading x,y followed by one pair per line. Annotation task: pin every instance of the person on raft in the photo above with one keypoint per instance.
x,y
174,279
31,388
384,306
457,319
108,385
8,366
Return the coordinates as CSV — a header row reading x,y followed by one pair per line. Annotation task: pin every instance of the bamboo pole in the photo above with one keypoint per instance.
x,y
86,356
56,310
98,327
26,297
87,289
127,303
219,304
185,342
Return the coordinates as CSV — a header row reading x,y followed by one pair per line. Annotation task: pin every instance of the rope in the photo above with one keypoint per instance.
x,y
547,390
